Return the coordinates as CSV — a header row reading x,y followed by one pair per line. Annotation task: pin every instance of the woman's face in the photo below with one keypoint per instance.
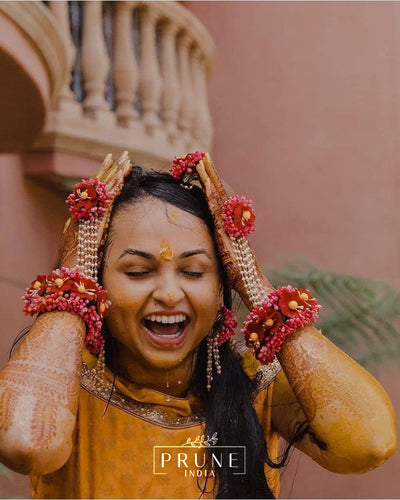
x,y
162,278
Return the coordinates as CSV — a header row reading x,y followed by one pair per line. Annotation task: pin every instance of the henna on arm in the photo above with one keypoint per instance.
x,y
39,390
351,422
39,386
349,419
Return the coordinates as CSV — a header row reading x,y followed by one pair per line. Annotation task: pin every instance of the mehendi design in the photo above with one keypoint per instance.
x,y
300,371
8,402
45,368
43,426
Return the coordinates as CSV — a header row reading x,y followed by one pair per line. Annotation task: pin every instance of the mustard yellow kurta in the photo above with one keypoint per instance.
x,y
113,453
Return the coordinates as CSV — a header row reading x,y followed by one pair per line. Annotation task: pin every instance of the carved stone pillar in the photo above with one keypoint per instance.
x,y
94,59
170,100
60,12
202,124
186,108
150,80
125,68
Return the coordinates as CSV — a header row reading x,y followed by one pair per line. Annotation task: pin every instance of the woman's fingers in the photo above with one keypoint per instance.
x,y
214,177
117,181
105,166
119,166
204,179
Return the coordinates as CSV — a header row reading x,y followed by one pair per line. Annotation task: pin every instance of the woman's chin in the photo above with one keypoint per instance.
x,y
166,363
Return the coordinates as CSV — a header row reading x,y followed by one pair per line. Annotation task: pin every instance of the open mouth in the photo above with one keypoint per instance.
x,y
166,327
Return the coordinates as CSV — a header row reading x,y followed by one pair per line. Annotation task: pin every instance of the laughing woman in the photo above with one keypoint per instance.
x,y
156,400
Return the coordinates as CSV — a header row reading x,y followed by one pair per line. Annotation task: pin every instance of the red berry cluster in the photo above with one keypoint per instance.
x,y
268,325
65,290
228,327
186,164
239,217
89,199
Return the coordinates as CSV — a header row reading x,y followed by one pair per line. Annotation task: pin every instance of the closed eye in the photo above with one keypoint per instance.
x,y
137,273
194,274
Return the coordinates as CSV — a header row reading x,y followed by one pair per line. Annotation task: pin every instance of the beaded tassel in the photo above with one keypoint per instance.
x,y
216,355
87,247
209,362
212,355
252,283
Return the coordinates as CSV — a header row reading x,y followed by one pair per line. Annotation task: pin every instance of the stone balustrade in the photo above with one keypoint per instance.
x,y
136,79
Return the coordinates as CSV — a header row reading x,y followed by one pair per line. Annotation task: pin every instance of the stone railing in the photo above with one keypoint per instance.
x,y
137,80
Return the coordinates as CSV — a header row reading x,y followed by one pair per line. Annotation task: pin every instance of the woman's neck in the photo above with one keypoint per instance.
x,y
175,381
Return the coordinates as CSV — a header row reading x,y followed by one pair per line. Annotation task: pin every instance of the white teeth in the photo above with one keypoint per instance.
x,y
178,318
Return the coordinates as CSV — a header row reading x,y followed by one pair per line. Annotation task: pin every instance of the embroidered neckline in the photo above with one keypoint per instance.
x,y
152,413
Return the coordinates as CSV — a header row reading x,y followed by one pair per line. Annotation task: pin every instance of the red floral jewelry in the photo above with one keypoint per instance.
x,y
239,217
65,290
268,325
227,330
184,168
89,199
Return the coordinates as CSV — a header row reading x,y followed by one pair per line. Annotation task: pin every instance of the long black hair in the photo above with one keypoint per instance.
x,y
228,406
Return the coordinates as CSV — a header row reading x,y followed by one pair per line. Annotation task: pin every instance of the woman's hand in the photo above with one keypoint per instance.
x,y
350,422
216,195
113,174
39,386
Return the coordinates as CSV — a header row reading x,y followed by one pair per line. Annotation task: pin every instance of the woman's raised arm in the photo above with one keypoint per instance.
x,y
39,390
348,417
350,421
39,386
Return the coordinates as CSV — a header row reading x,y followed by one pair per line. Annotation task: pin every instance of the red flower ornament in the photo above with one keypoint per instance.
x,y
89,199
291,302
38,286
239,217
102,303
65,290
85,288
58,282
186,165
286,310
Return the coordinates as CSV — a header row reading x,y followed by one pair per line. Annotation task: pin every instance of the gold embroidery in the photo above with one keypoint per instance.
x,y
265,374
146,411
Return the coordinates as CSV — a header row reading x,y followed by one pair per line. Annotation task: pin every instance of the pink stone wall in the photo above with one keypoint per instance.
x,y
305,103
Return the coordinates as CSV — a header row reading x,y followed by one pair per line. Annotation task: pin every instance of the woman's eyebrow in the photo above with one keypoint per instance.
x,y
134,251
199,251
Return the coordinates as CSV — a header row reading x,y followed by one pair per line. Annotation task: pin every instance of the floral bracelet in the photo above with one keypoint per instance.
x,y
286,310
66,290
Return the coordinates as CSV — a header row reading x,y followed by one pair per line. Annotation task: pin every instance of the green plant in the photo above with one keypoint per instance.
x,y
361,316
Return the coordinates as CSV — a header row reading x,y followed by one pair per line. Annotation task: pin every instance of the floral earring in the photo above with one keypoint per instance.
x,y
222,330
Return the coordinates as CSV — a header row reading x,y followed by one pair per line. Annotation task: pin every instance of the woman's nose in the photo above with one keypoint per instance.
x,y
168,290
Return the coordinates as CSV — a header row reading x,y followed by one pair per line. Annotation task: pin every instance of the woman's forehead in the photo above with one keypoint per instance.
x,y
151,221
